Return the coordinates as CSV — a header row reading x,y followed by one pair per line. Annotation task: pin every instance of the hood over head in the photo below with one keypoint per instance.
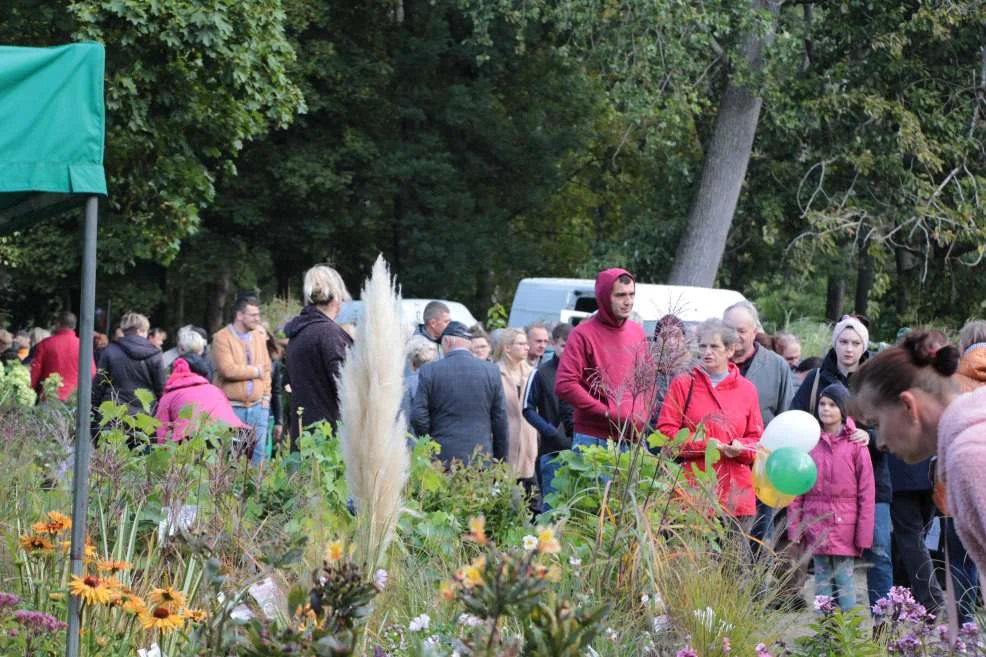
x,y
604,293
182,376
137,347
309,315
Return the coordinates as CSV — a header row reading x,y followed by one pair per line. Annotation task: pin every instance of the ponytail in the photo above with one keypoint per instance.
x,y
922,359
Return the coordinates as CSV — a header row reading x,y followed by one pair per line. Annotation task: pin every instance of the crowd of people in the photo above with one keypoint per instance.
x,y
523,395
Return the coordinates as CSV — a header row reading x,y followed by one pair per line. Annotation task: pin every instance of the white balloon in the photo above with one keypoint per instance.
x,y
792,429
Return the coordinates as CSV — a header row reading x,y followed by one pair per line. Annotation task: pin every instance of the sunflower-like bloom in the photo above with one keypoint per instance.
x,y
167,597
134,605
92,590
36,543
113,567
161,618
56,524
194,615
334,551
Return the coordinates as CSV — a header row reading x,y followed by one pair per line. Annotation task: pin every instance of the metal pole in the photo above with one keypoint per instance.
x,y
80,478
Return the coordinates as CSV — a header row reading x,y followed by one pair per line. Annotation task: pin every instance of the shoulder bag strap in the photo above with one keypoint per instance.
x,y
814,391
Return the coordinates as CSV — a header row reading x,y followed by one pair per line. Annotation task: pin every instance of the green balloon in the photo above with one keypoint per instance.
x,y
791,471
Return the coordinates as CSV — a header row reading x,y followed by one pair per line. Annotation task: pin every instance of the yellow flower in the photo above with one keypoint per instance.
x,y
167,597
114,567
57,523
162,619
36,543
552,573
334,551
194,615
472,575
547,543
447,591
134,605
477,529
91,589
89,551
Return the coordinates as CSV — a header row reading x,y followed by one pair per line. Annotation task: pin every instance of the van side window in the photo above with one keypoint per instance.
x,y
586,305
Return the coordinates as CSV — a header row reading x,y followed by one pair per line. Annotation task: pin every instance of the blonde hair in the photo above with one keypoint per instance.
x,y
134,322
323,284
507,338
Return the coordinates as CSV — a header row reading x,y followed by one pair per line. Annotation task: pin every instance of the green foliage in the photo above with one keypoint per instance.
x,y
15,385
838,634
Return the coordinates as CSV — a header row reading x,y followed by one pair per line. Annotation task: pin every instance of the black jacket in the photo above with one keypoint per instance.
x,y
545,412
828,374
316,348
124,366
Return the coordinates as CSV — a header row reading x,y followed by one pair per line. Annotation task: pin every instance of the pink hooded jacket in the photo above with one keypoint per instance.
x,y
836,517
185,388
961,464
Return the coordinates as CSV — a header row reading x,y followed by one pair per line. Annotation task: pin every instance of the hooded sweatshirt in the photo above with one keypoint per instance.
x,y
316,348
126,365
605,372
961,463
186,388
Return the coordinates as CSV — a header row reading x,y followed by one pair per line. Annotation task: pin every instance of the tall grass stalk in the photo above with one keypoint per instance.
x,y
373,430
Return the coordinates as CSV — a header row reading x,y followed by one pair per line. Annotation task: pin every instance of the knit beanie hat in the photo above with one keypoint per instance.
x,y
849,322
840,395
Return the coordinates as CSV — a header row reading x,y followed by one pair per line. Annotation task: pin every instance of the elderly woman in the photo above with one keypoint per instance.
x,y
316,349
715,396
188,387
420,351
522,443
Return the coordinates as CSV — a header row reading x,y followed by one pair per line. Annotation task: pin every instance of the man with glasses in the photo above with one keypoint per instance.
x,y
243,370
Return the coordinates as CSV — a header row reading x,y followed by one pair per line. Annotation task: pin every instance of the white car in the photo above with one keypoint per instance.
x,y
411,312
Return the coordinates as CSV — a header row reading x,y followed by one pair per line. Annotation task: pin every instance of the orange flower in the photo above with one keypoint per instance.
x,y
134,605
477,529
56,524
114,567
447,591
547,543
91,589
161,618
194,615
334,551
168,597
36,543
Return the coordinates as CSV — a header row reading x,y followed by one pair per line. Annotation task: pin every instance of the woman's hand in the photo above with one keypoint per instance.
x,y
731,450
860,437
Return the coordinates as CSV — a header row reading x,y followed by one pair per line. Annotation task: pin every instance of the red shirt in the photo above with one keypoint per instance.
x,y
58,354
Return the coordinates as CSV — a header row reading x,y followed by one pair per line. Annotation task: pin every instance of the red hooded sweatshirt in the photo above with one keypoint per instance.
x,y
605,372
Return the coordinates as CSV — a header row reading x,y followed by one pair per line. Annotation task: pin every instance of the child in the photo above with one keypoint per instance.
x,y
835,518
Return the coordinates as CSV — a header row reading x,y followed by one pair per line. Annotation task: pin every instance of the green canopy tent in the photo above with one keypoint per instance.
x,y
52,125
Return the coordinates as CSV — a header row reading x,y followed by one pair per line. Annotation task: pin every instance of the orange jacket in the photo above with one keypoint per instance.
x,y
232,371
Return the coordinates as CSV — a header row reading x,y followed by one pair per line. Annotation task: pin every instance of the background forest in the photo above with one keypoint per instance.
x,y
820,157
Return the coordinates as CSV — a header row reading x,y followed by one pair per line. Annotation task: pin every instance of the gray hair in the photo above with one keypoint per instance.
x,y
715,326
536,325
421,350
972,333
749,309
323,284
189,341
434,310
134,322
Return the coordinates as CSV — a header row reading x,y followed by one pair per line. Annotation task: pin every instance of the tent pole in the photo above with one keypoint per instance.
x,y
80,478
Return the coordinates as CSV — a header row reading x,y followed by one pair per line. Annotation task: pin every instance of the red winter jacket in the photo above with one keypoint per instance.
x,y
729,411
58,354
836,516
605,372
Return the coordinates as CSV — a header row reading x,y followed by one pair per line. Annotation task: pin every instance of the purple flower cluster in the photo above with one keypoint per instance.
x,y
900,605
38,621
824,604
727,646
8,600
686,652
762,650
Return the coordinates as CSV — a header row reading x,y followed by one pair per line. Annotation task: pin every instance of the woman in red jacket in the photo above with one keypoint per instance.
x,y
715,396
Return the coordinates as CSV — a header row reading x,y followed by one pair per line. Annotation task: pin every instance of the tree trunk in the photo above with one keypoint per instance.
x,y
901,285
833,297
865,276
217,301
723,171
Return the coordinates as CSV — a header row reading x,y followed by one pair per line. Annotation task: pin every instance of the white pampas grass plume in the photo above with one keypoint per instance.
x,y
372,430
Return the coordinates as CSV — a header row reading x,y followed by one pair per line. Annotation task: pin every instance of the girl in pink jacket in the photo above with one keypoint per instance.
x,y
835,518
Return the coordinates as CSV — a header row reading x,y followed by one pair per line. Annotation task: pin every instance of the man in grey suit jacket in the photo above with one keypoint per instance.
x,y
459,401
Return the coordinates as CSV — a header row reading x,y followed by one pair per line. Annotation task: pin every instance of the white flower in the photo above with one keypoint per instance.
x,y
495,490
611,634
380,580
530,543
470,621
644,599
420,623
661,624
574,562
153,651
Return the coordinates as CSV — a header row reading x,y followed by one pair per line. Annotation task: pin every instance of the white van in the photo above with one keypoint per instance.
x,y
572,299
411,312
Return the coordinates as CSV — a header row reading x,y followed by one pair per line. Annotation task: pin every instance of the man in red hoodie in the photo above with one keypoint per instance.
x,y
606,373
59,354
